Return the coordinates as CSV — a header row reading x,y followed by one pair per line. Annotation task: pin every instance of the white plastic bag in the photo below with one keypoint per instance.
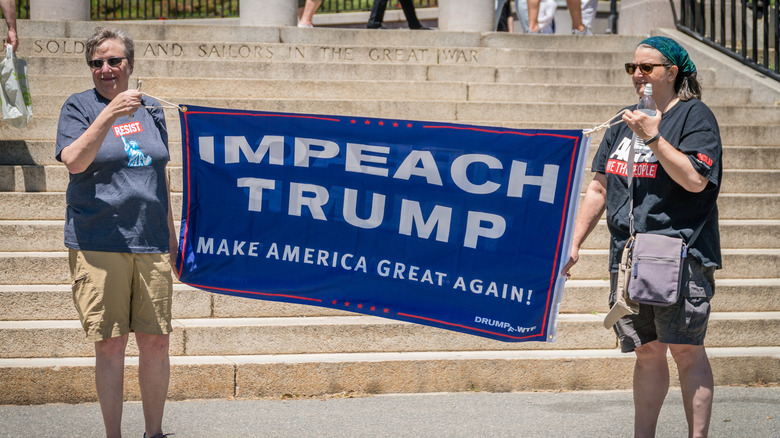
x,y
15,98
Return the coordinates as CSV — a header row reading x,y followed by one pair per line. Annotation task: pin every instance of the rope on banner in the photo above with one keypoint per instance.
x,y
169,104
604,125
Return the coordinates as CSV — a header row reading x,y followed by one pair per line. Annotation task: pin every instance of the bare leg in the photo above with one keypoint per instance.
x,y
154,370
651,383
697,386
309,10
109,382
533,15
575,12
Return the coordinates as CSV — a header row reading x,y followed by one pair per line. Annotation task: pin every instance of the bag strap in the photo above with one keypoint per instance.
x,y
630,177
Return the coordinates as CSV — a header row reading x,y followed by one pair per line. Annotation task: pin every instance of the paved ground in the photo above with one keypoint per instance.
x,y
738,412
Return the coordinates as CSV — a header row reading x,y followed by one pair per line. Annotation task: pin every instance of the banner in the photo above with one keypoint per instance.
x,y
460,227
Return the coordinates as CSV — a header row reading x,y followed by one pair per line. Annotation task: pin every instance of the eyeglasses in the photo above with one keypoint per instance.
x,y
112,62
646,68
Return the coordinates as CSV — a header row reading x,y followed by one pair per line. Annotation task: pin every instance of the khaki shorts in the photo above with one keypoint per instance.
x,y
116,293
684,322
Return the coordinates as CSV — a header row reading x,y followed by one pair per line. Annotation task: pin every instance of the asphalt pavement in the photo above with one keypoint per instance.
x,y
737,412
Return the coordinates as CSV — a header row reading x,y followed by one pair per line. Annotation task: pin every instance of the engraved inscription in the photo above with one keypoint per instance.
x,y
459,56
397,55
164,49
337,53
234,51
296,52
59,47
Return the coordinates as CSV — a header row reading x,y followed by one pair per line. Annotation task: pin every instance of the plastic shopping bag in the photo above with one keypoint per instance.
x,y
15,98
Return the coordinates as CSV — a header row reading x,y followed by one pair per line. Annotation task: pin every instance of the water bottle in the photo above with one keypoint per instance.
x,y
646,103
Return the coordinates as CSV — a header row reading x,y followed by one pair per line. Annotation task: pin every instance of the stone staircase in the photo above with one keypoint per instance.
x,y
226,347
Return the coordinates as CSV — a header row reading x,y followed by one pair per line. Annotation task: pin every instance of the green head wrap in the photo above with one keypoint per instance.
x,y
673,51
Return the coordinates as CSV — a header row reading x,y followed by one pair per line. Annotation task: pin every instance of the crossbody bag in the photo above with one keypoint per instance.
x,y
651,267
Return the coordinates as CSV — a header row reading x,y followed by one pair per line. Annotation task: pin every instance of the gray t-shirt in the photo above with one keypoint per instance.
x,y
120,202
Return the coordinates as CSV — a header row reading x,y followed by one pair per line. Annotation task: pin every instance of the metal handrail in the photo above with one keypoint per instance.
x,y
750,34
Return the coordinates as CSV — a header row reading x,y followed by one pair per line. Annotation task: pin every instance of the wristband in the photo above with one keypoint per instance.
x,y
652,139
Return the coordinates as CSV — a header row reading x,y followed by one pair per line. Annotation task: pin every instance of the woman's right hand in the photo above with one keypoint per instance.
x,y
125,103
574,257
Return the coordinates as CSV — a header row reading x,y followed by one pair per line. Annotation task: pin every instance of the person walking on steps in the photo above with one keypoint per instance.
x,y
378,15
306,10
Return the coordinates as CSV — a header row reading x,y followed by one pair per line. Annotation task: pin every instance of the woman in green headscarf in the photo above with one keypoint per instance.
x,y
676,179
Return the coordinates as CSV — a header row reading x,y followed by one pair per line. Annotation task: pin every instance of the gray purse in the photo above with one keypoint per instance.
x,y
656,269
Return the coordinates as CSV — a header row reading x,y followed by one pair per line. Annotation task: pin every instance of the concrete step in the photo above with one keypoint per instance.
x,y
51,206
748,181
51,91
47,235
21,152
534,74
21,302
331,334
52,267
45,128
355,334
71,380
151,71
731,134
744,233
760,122
55,178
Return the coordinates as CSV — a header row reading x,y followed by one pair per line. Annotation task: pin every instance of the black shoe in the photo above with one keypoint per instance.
x,y
376,27
421,28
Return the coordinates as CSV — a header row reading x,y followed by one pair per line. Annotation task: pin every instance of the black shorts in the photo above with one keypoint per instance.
x,y
682,323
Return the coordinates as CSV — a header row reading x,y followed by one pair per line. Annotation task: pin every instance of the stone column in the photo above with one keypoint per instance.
x,y
268,13
467,15
73,10
639,17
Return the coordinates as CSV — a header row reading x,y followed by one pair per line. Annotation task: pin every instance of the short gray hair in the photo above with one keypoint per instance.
x,y
108,33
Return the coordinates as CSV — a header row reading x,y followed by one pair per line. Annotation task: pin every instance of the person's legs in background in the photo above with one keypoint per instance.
x,y
307,14
411,14
533,16
377,14
589,14
575,11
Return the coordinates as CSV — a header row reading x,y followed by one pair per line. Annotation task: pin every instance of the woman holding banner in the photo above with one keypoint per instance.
x,y
119,227
677,175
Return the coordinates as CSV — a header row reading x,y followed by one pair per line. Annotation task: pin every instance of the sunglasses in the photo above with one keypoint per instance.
x,y
645,68
112,62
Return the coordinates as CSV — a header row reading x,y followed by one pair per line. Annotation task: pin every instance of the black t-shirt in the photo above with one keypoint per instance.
x,y
662,206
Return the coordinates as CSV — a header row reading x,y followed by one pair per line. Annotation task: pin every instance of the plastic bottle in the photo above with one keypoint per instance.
x,y
646,103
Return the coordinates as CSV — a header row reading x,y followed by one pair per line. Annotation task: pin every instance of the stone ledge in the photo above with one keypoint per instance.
x,y
70,380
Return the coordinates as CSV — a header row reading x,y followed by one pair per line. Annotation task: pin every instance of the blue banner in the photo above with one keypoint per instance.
x,y
460,227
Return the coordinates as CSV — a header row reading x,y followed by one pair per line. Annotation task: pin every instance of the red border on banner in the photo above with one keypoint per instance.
x,y
255,293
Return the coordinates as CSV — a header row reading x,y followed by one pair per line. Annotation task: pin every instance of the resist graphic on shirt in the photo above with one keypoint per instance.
x,y
136,158
645,162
